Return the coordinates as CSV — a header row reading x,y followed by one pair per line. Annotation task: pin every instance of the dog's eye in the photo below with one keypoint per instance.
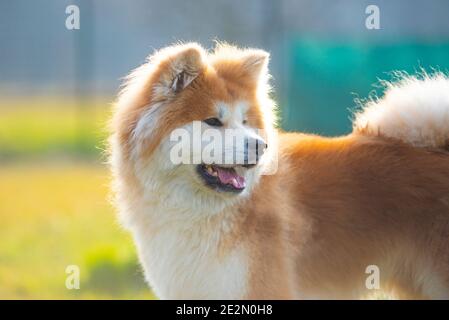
x,y
245,121
214,122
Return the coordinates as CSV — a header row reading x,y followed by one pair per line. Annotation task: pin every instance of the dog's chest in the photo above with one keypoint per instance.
x,y
183,263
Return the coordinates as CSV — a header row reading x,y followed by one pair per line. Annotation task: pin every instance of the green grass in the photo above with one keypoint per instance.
x,y
54,215
54,207
48,127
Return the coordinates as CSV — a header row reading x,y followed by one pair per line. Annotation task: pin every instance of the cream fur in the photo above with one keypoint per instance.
x,y
307,230
179,247
414,110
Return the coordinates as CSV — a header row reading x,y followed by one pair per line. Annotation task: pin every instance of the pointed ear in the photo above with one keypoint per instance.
x,y
255,63
176,67
249,66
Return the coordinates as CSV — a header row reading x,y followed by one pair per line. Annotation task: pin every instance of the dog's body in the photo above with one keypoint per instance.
x,y
334,207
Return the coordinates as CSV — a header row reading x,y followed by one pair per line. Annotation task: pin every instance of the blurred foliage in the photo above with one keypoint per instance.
x,y
325,77
114,273
52,127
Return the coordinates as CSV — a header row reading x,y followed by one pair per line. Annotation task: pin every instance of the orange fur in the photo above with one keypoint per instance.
x,y
334,206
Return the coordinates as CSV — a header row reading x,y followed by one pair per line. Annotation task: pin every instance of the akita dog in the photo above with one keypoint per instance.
x,y
378,196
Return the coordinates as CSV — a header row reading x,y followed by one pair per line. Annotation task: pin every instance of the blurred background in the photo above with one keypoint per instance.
x,y
57,85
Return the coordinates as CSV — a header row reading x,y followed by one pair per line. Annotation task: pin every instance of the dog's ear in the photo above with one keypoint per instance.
x,y
247,66
255,63
175,68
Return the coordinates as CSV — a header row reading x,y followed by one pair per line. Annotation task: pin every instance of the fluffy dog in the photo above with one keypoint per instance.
x,y
310,229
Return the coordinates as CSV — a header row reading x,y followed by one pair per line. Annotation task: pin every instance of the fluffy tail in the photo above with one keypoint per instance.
x,y
413,109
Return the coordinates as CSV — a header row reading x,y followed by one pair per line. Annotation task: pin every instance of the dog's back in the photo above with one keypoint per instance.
x,y
377,199
368,201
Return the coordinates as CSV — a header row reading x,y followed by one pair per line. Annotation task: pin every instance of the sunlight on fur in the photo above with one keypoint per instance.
x,y
377,196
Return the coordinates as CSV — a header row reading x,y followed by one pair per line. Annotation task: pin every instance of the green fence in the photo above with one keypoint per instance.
x,y
324,78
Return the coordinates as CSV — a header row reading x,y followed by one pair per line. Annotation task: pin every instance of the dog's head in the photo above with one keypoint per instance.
x,y
194,124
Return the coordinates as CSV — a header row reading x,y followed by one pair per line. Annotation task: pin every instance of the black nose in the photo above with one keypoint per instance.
x,y
254,149
262,144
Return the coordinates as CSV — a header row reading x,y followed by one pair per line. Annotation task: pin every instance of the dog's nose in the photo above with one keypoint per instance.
x,y
262,143
254,149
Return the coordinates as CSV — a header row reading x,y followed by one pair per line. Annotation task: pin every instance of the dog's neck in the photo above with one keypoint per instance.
x,y
180,207
173,205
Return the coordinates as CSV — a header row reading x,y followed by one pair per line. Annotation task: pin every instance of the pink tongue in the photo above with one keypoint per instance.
x,y
230,177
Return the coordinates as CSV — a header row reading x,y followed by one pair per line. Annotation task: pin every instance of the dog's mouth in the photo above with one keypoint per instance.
x,y
221,179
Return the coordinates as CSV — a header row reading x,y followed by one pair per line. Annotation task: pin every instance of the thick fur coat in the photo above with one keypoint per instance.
x,y
309,229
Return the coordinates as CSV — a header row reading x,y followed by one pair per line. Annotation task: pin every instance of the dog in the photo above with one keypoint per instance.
x,y
331,210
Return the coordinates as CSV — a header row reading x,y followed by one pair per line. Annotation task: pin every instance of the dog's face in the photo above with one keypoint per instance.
x,y
197,125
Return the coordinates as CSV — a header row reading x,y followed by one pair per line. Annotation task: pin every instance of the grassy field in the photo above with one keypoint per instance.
x,y
54,215
52,127
54,207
